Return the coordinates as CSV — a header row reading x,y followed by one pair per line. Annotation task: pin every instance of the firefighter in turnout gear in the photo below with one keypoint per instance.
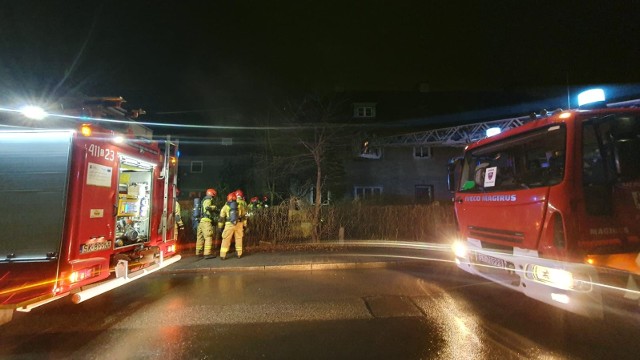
x,y
242,204
245,218
205,227
252,207
232,221
178,218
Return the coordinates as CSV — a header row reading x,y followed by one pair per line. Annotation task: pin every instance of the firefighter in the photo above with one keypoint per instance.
x,y
242,204
232,220
205,227
178,218
252,207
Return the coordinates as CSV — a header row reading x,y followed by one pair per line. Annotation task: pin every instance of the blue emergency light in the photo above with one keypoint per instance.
x,y
591,97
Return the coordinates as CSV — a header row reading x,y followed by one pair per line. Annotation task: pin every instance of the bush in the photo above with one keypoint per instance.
x,y
282,224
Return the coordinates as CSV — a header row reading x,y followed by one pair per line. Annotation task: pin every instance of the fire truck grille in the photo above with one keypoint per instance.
x,y
496,234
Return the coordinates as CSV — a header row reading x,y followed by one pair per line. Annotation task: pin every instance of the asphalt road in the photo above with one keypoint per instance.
x,y
431,311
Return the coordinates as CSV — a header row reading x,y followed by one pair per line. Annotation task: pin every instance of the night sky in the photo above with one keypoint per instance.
x,y
177,58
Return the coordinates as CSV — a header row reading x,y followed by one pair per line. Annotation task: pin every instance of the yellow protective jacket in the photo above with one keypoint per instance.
x,y
208,209
177,215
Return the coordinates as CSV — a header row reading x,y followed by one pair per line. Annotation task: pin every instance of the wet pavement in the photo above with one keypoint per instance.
x,y
264,306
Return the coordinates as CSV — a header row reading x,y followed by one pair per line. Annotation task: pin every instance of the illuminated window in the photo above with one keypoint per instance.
x,y
371,152
364,110
196,167
421,152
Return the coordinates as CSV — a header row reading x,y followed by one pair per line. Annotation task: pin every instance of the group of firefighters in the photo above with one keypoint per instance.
x,y
231,222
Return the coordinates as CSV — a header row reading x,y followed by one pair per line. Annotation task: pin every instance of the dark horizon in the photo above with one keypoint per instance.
x,y
175,60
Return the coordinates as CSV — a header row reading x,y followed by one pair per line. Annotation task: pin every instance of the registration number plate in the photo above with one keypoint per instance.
x,y
490,260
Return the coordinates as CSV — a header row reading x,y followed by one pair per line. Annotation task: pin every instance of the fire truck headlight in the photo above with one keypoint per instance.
x,y
555,277
33,112
559,278
459,249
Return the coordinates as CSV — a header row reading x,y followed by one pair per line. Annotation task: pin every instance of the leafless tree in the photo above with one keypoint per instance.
x,y
315,133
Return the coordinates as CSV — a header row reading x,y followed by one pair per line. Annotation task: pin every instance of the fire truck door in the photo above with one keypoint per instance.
x,y
34,173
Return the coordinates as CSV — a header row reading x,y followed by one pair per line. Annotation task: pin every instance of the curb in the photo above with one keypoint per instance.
x,y
296,267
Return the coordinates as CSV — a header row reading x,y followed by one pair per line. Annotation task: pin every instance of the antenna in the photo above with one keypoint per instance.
x,y
568,93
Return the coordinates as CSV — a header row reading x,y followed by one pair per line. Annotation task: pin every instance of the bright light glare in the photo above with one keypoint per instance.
x,y
590,96
559,278
118,139
493,131
459,249
85,130
73,277
33,112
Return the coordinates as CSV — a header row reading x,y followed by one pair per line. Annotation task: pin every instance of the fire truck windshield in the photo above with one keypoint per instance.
x,y
533,159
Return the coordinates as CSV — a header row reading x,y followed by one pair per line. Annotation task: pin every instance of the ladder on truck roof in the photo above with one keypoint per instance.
x,y
466,134
451,136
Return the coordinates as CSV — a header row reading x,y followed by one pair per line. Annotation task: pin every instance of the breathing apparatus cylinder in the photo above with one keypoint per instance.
x,y
233,212
196,213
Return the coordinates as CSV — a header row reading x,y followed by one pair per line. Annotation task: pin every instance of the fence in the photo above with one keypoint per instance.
x,y
284,224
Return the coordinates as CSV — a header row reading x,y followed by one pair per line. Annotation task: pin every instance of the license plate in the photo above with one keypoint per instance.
x,y
490,260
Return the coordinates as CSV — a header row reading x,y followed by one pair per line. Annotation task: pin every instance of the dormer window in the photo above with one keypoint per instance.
x,y
421,152
364,110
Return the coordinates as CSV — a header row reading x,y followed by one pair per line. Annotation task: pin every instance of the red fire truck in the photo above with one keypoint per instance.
x,y
552,209
83,210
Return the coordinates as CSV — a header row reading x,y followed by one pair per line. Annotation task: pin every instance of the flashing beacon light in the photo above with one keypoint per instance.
x,y
33,112
119,139
493,131
591,96
85,129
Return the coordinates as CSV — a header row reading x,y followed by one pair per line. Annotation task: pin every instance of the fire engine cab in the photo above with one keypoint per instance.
x,y
85,207
552,208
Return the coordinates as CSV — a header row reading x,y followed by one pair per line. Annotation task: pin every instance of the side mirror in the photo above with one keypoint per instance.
x,y
454,168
